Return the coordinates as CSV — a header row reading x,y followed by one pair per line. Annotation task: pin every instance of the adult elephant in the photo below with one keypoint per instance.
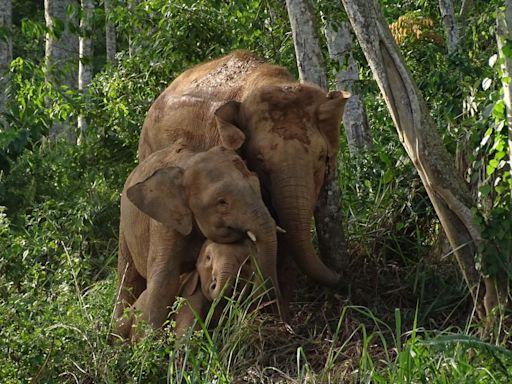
x,y
291,133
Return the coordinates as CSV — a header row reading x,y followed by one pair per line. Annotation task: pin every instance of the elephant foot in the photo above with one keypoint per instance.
x,y
122,327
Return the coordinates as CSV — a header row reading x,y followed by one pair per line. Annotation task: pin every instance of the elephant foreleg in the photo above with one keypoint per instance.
x,y
167,253
163,287
196,304
131,285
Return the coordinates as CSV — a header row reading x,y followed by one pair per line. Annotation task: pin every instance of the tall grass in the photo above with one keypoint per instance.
x,y
71,334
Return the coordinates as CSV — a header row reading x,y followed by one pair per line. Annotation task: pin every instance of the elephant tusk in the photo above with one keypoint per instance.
x,y
251,236
280,230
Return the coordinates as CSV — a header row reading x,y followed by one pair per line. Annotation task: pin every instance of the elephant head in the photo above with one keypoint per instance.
x,y
214,191
221,264
292,136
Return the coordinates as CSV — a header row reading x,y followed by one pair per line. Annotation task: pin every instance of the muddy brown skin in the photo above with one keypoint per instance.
x,y
218,267
170,200
290,133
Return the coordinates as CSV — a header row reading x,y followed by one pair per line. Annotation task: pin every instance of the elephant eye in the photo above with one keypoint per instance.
x,y
222,202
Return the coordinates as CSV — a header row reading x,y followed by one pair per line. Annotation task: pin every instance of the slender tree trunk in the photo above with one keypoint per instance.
x,y
504,37
5,52
310,61
464,9
451,27
85,53
328,214
446,189
110,34
60,57
504,34
355,121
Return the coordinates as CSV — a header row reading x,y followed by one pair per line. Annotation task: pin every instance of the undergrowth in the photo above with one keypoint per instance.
x,y
402,316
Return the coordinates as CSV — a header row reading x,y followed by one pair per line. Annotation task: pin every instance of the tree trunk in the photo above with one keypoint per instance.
x,y
464,9
85,54
446,189
60,57
310,61
504,37
110,34
328,214
5,52
339,44
450,24
504,34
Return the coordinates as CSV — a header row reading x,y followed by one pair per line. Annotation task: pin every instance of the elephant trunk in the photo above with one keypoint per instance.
x,y
218,285
264,229
224,275
293,201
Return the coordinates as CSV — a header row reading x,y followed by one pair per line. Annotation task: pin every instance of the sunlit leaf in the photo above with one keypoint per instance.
x,y
493,59
499,109
486,83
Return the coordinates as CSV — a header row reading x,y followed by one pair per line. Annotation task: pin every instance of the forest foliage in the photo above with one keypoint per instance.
x,y
59,206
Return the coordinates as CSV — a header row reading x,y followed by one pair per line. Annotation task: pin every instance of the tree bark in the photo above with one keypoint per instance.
x,y
85,53
450,24
110,34
504,34
355,121
310,61
464,9
504,37
5,51
60,57
446,189
328,213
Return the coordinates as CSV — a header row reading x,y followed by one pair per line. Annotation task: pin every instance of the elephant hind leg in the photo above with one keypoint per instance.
x,y
131,285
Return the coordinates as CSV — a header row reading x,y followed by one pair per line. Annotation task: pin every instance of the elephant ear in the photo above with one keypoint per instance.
x,y
227,123
162,197
330,114
189,284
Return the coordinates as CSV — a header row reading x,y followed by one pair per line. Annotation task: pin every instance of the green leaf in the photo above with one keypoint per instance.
x,y
499,109
388,176
507,50
500,155
485,190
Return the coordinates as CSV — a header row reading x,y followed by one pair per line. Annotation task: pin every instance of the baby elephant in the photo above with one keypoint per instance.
x,y
218,267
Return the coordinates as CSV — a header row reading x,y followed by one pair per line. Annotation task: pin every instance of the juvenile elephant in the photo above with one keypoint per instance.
x,y
169,202
291,134
217,269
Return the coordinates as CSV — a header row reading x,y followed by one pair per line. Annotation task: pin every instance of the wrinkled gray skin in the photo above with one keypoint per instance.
x,y
169,202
